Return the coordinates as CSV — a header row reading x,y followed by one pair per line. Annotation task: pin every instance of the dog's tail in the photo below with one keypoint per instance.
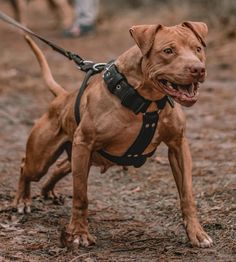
x,y
54,87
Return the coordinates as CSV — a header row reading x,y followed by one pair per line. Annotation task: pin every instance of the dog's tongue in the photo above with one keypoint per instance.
x,y
187,90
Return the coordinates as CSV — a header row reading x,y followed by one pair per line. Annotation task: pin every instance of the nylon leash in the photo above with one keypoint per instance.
x,y
71,56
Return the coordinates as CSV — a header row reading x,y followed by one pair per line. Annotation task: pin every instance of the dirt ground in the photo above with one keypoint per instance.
x,y
134,214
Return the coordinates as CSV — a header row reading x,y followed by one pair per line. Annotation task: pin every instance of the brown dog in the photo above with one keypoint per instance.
x,y
166,60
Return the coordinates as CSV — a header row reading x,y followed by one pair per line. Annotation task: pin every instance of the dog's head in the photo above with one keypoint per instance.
x,y
173,58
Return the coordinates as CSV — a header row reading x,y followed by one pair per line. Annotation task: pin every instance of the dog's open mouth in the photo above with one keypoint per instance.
x,y
186,94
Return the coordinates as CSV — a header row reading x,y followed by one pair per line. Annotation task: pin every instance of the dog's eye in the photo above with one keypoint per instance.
x,y
199,49
168,51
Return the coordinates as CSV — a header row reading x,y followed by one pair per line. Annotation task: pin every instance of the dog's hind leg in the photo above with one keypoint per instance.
x,y
45,144
62,169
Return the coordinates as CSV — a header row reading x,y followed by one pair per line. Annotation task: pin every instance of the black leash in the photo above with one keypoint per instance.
x,y
82,64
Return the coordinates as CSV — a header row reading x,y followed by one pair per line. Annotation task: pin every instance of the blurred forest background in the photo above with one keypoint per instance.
x,y
217,12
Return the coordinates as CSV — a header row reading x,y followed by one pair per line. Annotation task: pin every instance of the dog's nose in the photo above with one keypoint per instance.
x,y
197,70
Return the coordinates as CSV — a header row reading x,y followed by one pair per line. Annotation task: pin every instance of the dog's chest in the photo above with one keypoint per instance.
x,y
122,133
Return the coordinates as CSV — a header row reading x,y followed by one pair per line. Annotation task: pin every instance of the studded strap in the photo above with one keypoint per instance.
x,y
118,85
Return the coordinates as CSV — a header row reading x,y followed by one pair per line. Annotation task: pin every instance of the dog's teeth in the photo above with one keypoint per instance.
x,y
195,86
191,89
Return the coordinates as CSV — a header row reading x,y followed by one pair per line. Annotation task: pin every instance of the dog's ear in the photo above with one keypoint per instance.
x,y
144,36
199,29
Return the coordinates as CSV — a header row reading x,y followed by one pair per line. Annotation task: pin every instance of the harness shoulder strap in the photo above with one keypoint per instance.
x,y
78,98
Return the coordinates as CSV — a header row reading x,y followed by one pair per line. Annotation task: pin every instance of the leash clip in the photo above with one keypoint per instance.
x,y
90,65
84,65
98,67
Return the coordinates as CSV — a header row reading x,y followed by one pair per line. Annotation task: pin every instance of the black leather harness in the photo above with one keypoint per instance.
x,y
118,85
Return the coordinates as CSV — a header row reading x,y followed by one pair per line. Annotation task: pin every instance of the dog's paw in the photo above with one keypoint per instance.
x,y
84,240
79,239
22,205
48,194
197,236
52,196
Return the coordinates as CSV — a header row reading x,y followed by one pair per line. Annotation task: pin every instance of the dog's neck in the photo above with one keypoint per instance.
x,y
130,65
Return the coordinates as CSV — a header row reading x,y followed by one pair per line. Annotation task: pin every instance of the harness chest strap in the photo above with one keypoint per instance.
x,y
133,156
130,98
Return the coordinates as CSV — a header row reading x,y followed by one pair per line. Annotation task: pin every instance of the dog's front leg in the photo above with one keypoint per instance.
x,y
77,230
181,165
